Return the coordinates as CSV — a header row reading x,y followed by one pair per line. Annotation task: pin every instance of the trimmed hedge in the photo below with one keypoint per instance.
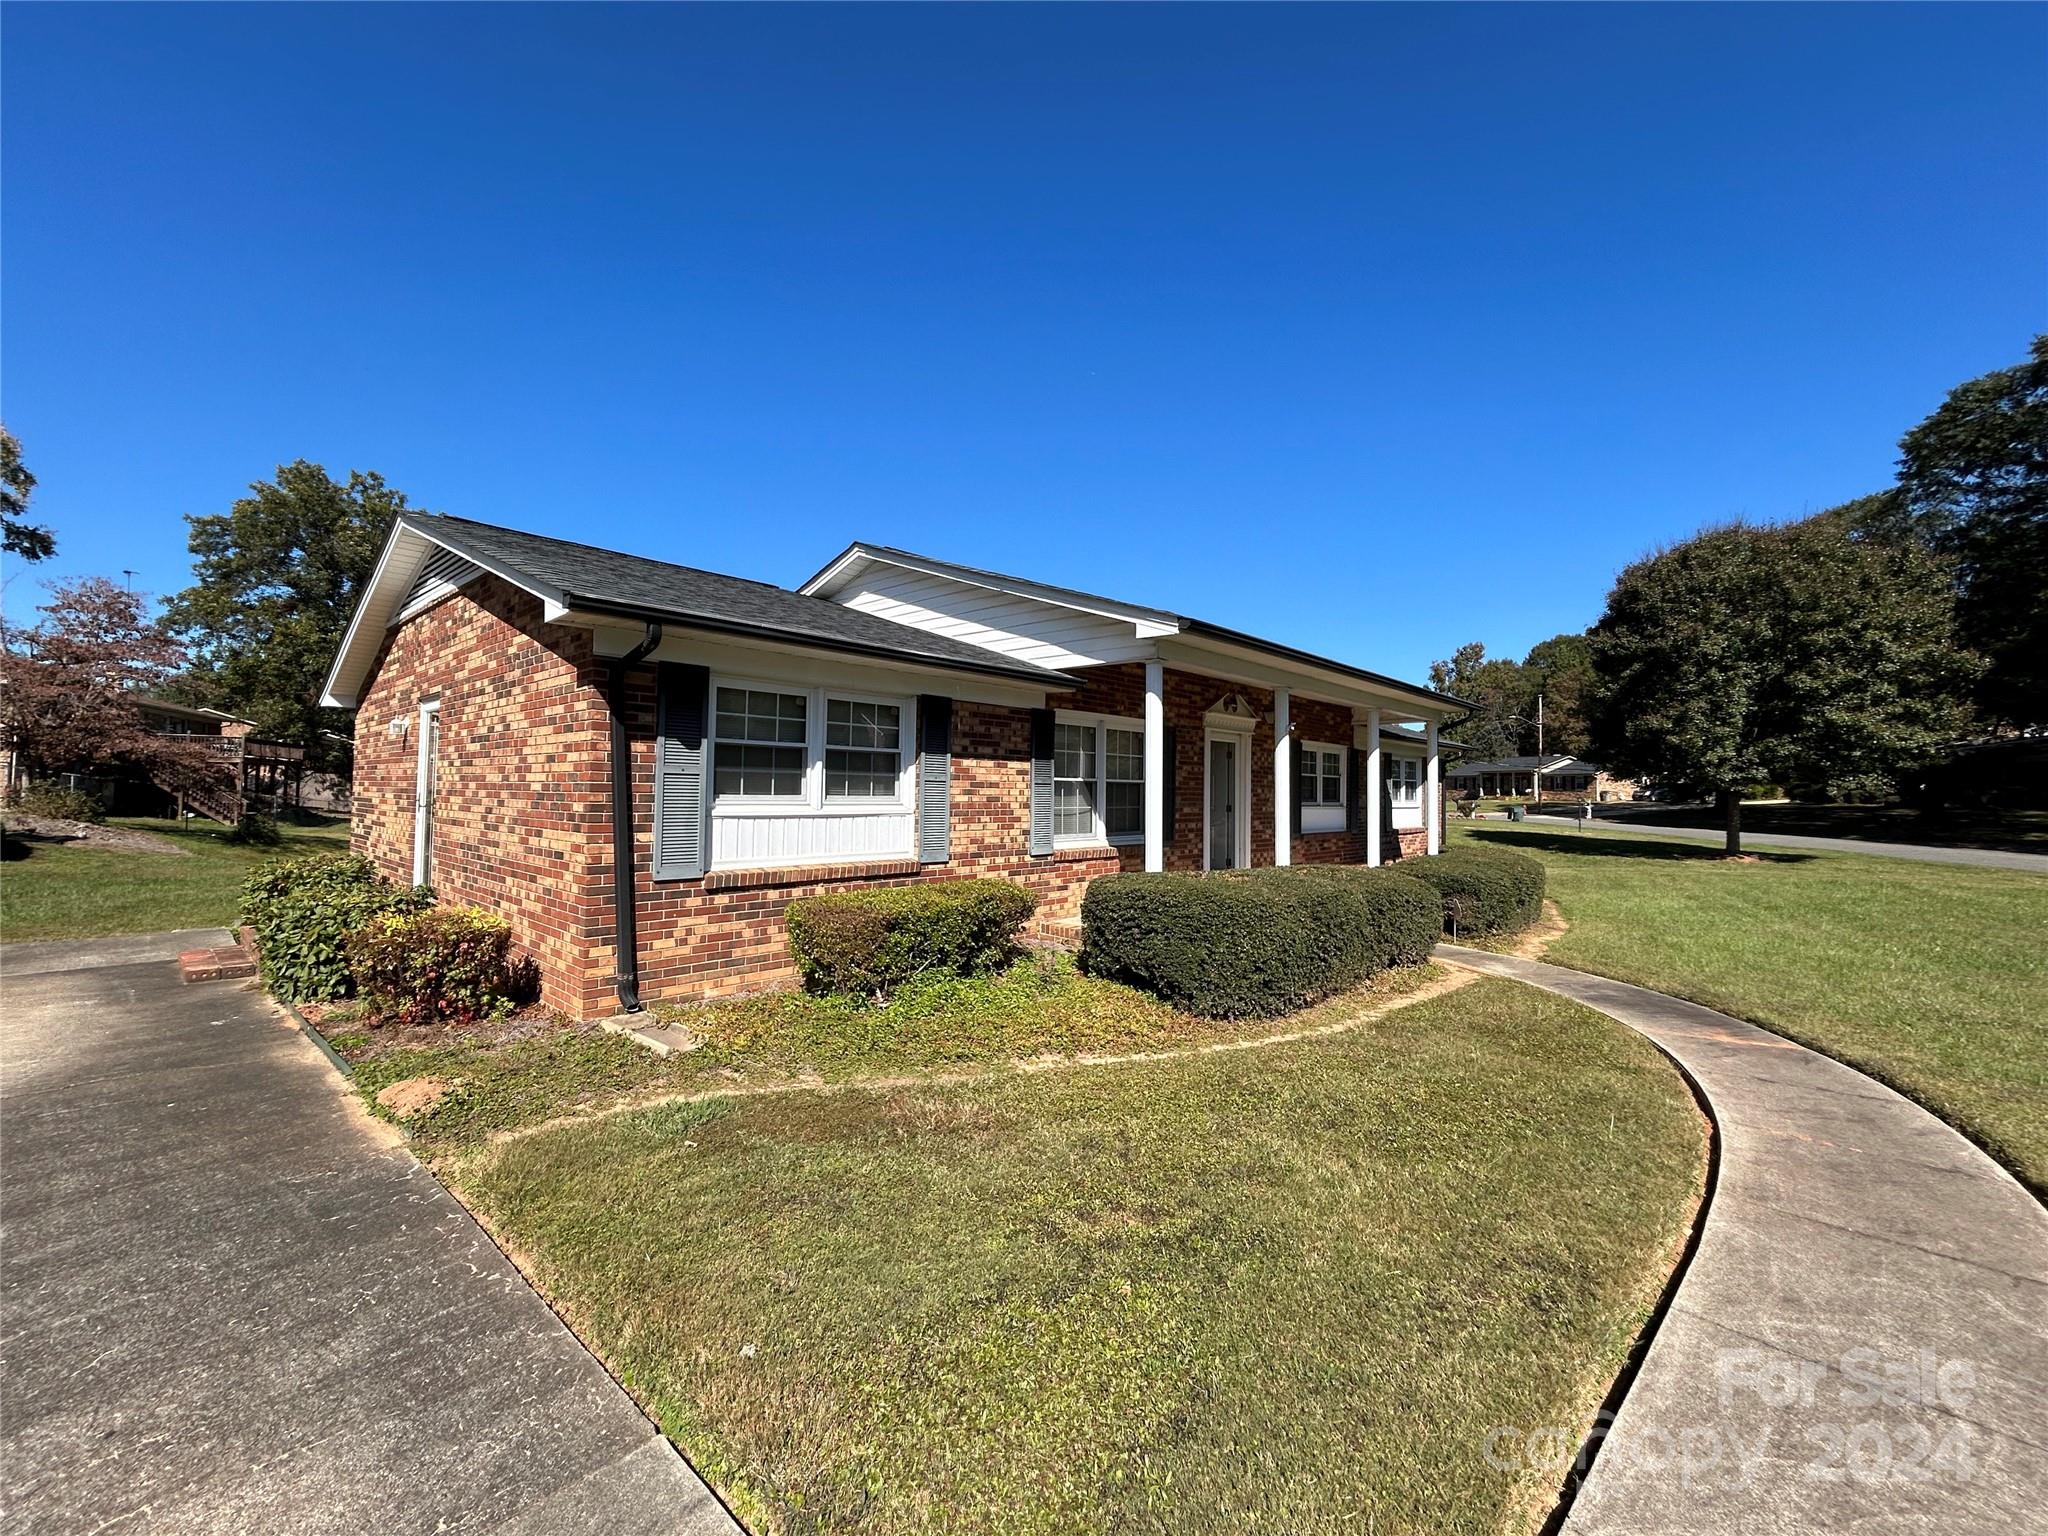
x,y
1484,890
306,910
1259,942
868,943
444,966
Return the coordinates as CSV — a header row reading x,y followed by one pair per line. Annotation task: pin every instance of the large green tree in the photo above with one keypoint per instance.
x,y
275,579
1560,669
19,536
1973,483
1495,689
1800,653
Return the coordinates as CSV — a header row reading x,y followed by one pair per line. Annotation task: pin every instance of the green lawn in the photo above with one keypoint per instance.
x,y
1289,1287
1931,977
58,892
2019,831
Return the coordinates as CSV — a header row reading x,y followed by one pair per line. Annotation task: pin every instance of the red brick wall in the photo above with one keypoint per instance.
x,y
524,815
726,933
523,794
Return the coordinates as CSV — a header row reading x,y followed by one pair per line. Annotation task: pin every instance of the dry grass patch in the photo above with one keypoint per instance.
x,y
1279,1288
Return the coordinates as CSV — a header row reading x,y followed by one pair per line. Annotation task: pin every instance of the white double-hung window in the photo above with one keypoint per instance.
x,y
762,745
863,750
1098,780
807,749
1320,774
1404,780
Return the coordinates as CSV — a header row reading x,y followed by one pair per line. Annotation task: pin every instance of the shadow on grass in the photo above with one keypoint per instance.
x,y
1635,846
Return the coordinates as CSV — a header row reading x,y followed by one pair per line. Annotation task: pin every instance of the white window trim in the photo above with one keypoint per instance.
x,y
812,801
1325,815
1343,775
1100,724
1402,791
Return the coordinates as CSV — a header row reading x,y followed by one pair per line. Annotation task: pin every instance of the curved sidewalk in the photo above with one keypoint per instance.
x,y
1860,1341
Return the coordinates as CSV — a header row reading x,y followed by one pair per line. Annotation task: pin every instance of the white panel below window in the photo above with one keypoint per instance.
x,y
1407,816
1322,818
808,838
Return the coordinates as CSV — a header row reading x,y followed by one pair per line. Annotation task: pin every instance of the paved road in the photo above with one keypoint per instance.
x,y
230,1303
1925,853
1861,1340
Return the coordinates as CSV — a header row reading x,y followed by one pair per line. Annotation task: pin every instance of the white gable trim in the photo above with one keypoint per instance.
x,y
392,584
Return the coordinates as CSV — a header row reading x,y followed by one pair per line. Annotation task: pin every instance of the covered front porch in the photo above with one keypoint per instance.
x,y
1226,766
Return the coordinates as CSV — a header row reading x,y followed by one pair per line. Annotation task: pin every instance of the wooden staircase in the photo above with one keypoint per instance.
x,y
220,802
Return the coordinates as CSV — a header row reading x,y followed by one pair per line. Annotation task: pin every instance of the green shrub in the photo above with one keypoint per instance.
x,y
306,910
443,966
868,943
1484,890
256,830
51,799
1256,943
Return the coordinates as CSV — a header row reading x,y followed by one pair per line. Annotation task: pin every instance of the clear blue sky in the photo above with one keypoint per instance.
x,y
1370,329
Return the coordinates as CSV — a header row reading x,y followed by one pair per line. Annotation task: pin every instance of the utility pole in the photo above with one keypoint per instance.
x,y
1536,778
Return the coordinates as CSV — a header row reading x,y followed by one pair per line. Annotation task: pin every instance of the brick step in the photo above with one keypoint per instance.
x,y
1054,932
216,962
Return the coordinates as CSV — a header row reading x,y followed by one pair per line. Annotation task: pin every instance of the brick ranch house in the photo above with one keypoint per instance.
x,y
893,719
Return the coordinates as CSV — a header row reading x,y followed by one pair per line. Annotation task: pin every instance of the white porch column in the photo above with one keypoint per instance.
x,y
1435,835
1283,779
1369,792
1156,766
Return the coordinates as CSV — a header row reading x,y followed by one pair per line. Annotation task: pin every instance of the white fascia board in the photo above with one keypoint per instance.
x,y
373,609
398,567
828,581
734,654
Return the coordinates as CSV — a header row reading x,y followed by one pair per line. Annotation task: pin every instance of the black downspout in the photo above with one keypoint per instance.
x,y
628,975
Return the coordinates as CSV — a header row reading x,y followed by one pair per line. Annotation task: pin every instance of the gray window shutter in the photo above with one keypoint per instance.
x,y
682,771
1171,759
1041,781
1354,813
934,778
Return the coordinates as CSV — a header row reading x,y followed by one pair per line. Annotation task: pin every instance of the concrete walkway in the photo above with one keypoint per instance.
x,y
229,1302
1924,853
1861,1340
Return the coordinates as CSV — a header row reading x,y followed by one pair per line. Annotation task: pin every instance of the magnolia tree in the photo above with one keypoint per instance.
x,y
70,689
1801,653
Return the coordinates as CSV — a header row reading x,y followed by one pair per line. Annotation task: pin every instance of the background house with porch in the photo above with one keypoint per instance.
x,y
895,718
1564,776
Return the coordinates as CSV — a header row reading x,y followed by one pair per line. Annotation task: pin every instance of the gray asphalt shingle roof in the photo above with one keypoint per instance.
x,y
603,580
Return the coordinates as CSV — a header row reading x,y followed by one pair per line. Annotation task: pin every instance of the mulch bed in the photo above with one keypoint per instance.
x,y
339,1020
83,834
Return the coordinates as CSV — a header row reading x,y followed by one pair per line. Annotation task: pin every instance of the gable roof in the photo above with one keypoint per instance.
x,y
850,561
582,578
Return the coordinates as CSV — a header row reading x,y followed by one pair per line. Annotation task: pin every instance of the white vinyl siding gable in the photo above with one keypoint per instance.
x,y
1022,628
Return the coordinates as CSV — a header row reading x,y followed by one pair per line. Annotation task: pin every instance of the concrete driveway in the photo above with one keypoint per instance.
x,y
231,1302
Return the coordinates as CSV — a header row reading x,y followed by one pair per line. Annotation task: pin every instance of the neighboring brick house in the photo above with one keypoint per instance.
x,y
894,719
1564,778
